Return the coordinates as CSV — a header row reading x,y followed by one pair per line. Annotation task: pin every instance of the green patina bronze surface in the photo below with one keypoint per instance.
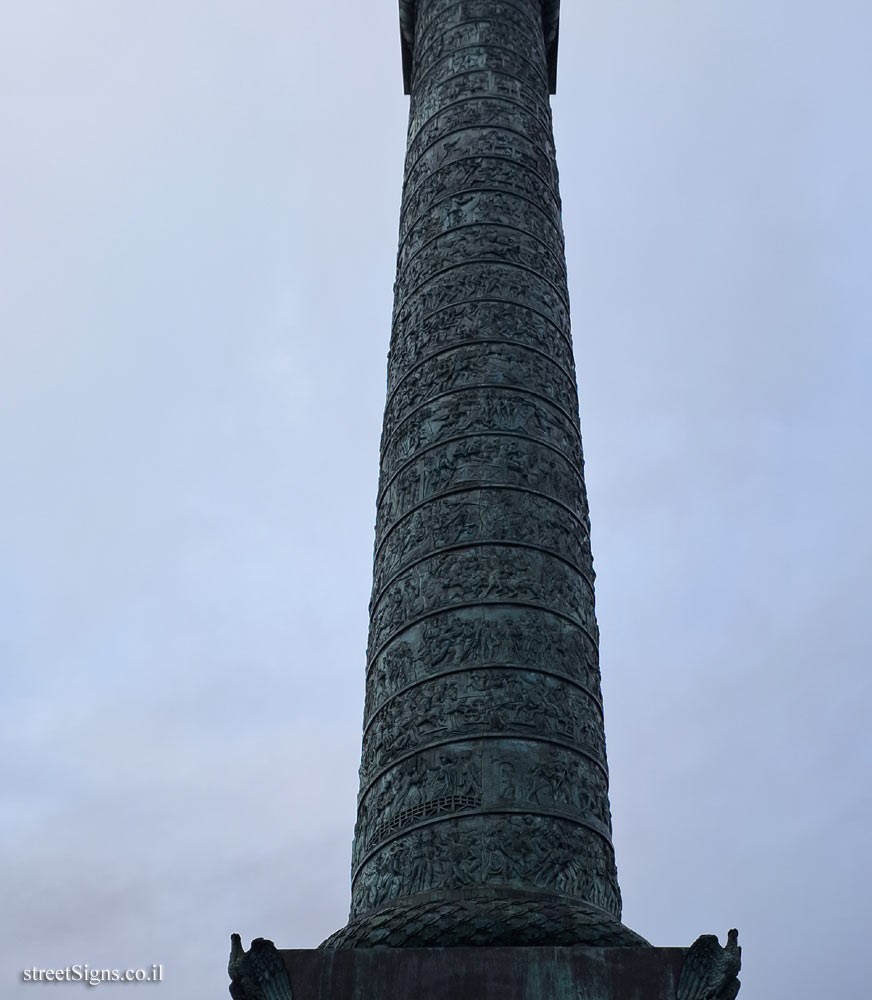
x,y
483,806
483,812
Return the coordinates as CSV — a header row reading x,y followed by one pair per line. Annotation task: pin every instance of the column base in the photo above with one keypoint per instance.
x,y
486,919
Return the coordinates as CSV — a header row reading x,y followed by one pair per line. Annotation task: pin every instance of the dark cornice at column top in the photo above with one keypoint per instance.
x,y
550,26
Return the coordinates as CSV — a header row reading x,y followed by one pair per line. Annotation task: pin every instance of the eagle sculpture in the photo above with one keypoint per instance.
x,y
709,971
259,973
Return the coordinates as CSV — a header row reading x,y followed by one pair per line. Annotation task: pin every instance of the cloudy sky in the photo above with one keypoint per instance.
x,y
198,212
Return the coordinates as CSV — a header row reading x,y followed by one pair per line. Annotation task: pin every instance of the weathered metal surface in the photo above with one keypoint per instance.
x,y
484,785
705,971
550,973
550,23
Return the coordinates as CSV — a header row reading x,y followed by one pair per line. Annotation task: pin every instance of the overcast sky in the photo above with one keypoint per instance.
x,y
198,217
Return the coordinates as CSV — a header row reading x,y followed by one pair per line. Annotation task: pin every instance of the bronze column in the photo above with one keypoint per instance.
x,y
483,813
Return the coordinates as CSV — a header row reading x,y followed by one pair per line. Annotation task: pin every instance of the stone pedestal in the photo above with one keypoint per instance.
x,y
705,971
576,973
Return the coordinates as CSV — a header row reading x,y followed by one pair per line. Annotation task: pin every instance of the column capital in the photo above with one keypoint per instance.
x,y
550,29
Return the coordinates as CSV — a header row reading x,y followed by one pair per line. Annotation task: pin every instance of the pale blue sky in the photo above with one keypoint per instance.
x,y
197,242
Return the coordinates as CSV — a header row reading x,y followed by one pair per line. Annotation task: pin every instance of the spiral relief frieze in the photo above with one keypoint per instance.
x,y
542,852
476,242
474,639
483,517
490,321
490,364
476,460
483,764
